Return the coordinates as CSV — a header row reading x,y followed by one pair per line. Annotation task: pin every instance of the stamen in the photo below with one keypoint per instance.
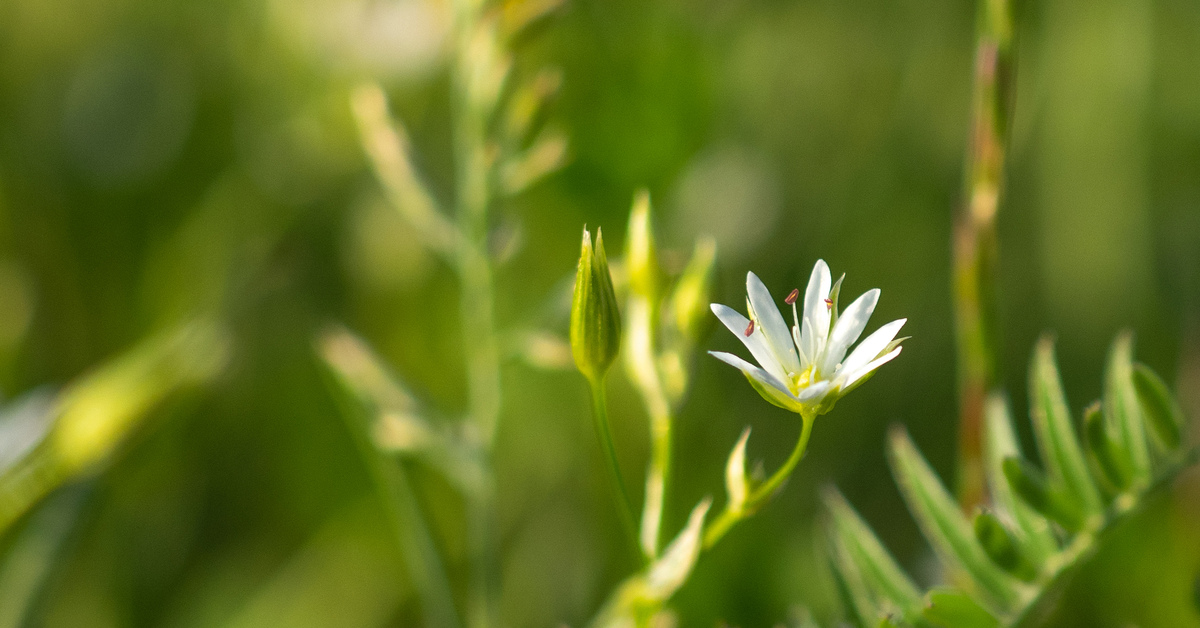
x,y
791,298
829,304
749,329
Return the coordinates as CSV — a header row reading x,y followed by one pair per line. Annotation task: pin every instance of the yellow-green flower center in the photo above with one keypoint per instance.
x,y
800,381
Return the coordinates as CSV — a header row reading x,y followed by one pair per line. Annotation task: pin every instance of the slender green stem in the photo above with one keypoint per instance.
x,y
604,435
729,518
975,243
472,200
407,521
641,364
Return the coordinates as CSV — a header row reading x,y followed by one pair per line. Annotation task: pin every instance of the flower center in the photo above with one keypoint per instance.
x,y
800,381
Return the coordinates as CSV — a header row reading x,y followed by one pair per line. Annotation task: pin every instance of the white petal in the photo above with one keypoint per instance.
x,y
870,348
773,326
870,366
816,391
816,312
755,342
849,327
796,337
752,371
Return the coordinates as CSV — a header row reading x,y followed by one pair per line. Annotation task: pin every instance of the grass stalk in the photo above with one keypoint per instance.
x,y
975,242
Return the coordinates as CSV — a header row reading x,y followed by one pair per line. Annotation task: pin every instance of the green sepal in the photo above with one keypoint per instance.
x,y
834,292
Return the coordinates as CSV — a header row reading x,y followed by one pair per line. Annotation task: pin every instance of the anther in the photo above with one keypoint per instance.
x,y
829,304
749,329
791,298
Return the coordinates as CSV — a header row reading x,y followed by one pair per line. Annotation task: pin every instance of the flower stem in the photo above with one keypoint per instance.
x,y
765,491
975,243
604,434
641,364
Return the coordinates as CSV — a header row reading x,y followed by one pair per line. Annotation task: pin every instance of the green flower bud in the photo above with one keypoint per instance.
x,y
641,254
595,319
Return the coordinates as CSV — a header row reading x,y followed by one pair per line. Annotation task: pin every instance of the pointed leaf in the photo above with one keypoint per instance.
x,y
1001,547
1000,442
877,567
856,601
1060,449
1104,451
1159,408
1122,411
954,609
1031,485
942,522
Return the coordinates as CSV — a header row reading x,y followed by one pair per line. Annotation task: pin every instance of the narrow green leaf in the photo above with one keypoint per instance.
x,y
942,522
852,592
1056,439
1001,547
878,569
1122,411
1000,441
1159,408
1029,483
953,609
1103,450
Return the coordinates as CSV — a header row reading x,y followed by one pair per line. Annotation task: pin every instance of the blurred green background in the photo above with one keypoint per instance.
x,y
159,159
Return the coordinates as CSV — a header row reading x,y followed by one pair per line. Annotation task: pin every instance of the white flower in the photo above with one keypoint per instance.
x,y
807,370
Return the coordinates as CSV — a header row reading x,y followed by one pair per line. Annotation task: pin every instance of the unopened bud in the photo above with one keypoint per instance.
x,y
641,254
595,319
689,302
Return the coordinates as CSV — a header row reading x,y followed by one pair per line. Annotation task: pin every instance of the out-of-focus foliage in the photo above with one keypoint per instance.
x,y
1037,528
167,161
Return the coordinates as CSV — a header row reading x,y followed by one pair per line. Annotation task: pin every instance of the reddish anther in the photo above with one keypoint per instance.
x,y
829,304
749,329
791,298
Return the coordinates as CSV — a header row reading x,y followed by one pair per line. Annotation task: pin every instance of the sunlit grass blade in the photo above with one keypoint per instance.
x,y
1056,439
1122,410
1000,442
878,569
943,524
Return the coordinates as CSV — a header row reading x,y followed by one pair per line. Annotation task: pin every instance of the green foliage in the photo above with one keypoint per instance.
x,y
1038,527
